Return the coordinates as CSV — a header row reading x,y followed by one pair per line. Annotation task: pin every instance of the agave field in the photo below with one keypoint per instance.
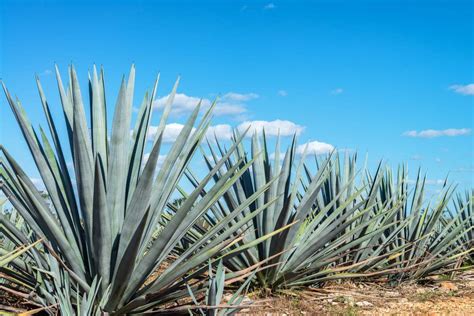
x,y
115,233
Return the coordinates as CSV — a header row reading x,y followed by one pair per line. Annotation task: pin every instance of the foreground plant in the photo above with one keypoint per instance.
x,y
100,251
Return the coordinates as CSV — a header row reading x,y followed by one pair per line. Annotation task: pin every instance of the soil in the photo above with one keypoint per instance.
x,y
435,297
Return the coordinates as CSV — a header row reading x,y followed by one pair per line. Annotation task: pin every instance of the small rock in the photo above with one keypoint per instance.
x,y
350,301
391,294
403,300
364,304
421,290
448,286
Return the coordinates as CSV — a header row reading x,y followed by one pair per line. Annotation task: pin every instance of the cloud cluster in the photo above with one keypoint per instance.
x,y
224,131
467,89
431,133
272,128
170,133
220,131
428,181
231,103
314,148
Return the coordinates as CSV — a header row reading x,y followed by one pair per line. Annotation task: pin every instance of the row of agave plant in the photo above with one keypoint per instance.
x,y
110,236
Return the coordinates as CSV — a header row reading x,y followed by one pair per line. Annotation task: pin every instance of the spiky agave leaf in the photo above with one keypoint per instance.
x,y
102,215
212,303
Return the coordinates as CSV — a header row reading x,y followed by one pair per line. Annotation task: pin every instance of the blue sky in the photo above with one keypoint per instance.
x,y
392,78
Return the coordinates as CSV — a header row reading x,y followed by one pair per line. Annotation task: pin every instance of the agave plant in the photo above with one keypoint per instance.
x,y
101,249
463,207
427,239
320,216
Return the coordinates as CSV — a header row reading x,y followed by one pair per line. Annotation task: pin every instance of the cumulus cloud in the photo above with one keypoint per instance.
x,y
170,133
233,96
272,128
172,130
337,91
431,133
224,131
231,103
269,6
467,89
229,109
314,148
221,131
182,103
282,93
428,181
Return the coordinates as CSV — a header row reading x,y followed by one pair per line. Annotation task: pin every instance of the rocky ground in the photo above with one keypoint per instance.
x,y
435,297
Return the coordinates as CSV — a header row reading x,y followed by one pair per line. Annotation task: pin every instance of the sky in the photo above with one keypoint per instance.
x,y
391,79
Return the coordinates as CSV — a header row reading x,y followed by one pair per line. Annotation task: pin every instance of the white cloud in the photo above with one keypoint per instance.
x,y
269,6
314,148
272,128
438,160
431,133
231,103
233,96
221,131
172,130
224,131
467,89
416,157
463,169
229,109
182,103
337,91
282,93
170,133
434,181
428,181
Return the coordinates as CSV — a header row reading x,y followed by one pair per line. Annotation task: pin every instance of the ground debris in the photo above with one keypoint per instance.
x,y
434,297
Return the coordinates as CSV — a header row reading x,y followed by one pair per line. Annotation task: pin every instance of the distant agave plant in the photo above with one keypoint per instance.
x,y
426,238
99,231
